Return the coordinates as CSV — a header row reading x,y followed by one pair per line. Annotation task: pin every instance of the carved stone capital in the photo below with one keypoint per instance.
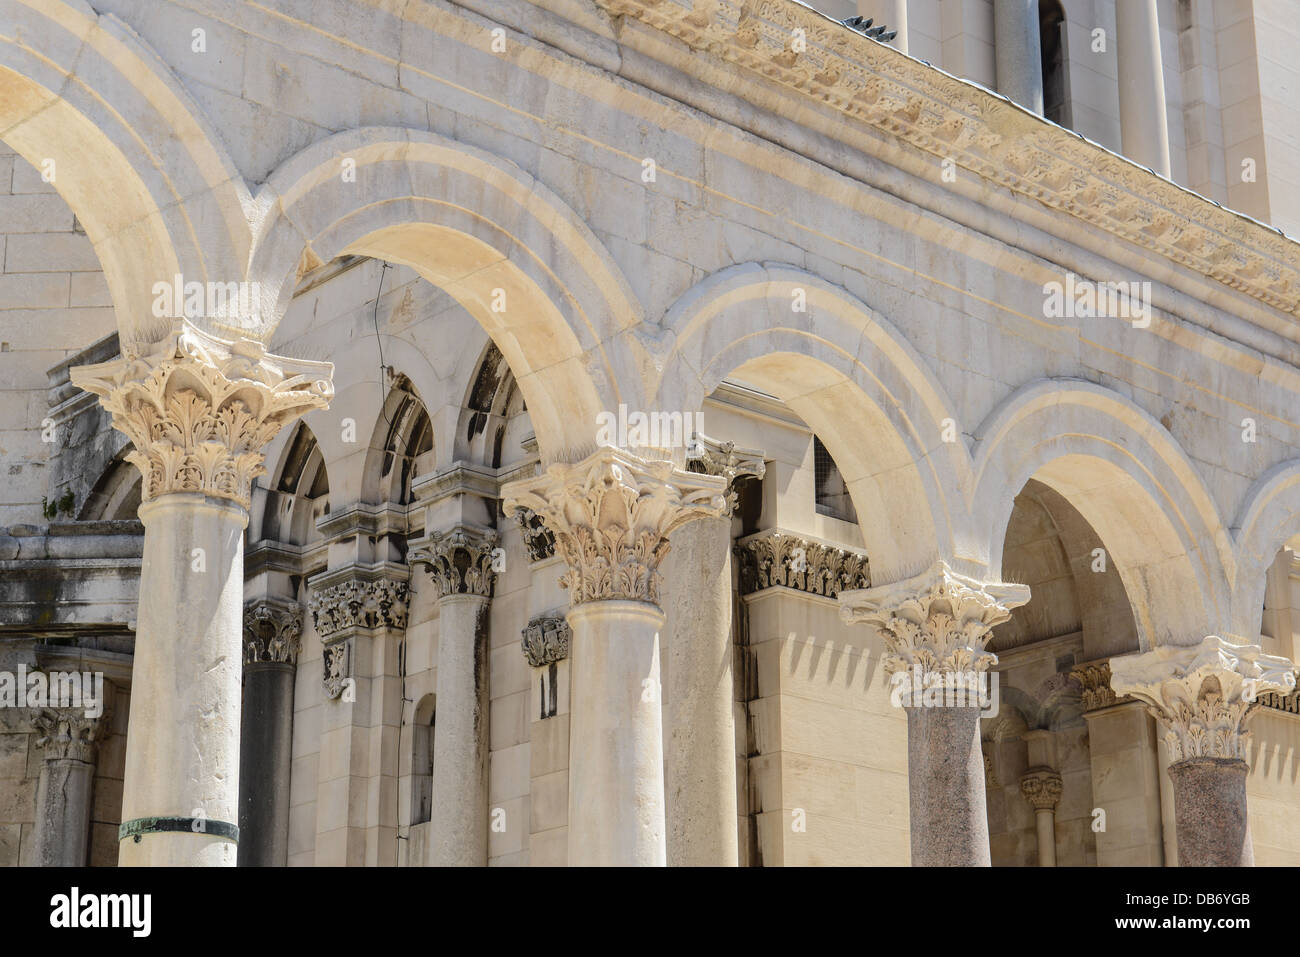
x,y
346,601
459,560
712,457
1041,788
775,558
538,539
272,631
337,662
200,410
939,621
1203,695
546,639
612,514
67,734
1094,683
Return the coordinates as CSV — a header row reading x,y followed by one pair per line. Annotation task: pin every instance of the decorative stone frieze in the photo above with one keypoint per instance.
x,y
1290,703
358,599
1203,695
200,410
1041,788
713,457
272,632
1093,678
538,539
612,514
938,621
961,121
774,558
545,639
67,734
459,560
336,660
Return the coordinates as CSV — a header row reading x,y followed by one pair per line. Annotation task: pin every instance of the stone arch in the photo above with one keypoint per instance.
x,y
1130,481
422,759
402,436
133,156
492,399
1269,517
297,491
477,226
116,494
859,385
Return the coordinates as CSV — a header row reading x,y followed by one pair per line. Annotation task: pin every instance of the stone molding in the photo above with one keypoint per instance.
x,y
459,560
1203,695
984,133
775,558
1276,701
358,599
1041,788
67,734
545,639
612,515
538,539
714,457
200,410
938,621
272,632
1094,681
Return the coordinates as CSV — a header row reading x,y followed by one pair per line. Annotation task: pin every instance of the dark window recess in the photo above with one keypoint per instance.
x,y
1051,39
832,493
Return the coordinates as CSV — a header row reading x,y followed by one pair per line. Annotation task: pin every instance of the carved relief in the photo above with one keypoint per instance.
x,y
538,539
1041,788
199,410
337,661
612,514
775,558
358,604
67,734
1203,695
939,621
723,458
459,561
272,632
545,639
1094,681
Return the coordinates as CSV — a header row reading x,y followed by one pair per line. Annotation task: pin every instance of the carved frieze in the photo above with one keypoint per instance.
x,y
200,410
774,558
272,631
459,561
938,621
545,639
357,599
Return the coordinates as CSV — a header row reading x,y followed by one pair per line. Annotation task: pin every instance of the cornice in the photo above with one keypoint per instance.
x,y
984,133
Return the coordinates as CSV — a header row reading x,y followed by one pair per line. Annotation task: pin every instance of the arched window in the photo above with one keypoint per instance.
x,y
1052,47
832,492
408,435
422,761
299,497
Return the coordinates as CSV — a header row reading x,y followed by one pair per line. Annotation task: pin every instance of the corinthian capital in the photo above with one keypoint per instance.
x,y
199,410
612,514
1041,788
1202,695
712,457
459,560
272,631
938,621
66,733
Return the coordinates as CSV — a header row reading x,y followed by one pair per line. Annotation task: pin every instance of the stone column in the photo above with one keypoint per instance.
x,y
890,13
612,515
199,411
1144,127
460,564
272,631
1202,696
936,626
1042,789
696,658
63,791
1018,52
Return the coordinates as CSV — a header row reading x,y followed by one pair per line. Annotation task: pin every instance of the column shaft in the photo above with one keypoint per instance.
x,y
460,734
892,13
265,759
1144,128
1210,810
1018,52
949,815
63,812
699,723
1045,821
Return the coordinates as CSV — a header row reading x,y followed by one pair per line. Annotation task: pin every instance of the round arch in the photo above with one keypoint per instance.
x,y
856,382
1268,519
1130,481
85,98
499,242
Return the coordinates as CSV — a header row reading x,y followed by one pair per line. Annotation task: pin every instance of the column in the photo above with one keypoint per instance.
x,y
272,631
199,411
459,562
936,626
1018,52
1203,696
63,792
889,13
612,515
1144,127
1041,787
697,652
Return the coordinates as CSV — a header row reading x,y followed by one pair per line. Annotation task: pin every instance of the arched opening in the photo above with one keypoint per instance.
x,y
298,498
422,760
494,421
405,449
117,494
1054,52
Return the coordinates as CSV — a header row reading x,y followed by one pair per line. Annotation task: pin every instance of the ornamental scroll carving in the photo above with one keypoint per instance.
x,y
460,561
612,515
545,639
272,632
939,621
199,410
67,734
1203,695
713,457
778,559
